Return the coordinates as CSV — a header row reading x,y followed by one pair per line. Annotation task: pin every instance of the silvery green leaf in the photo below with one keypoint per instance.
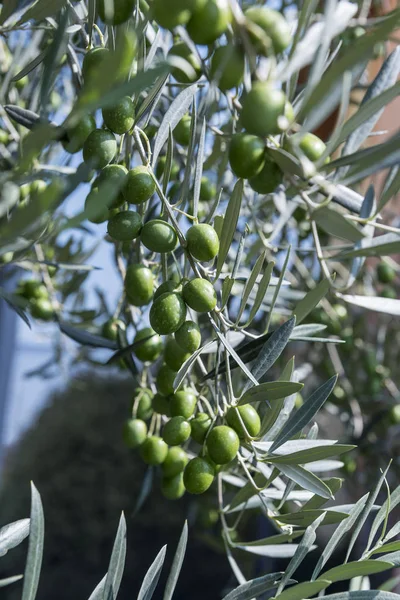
x,y
53,57
356,569
188,366
393,532
306,480
254,587
310,301
30,66
262,289
271,390
117,562
35,547
152,576
232,352
335,223
10,580
294,445
372,160
278,409
311,455
382,245
322,466
23,116
389,504
278,288
250,284
367,208
273,551
305,413
392,185
174,114
13,534
334,484
230,224
389,306
177,564
42,9
86,338
304,518
151,100
303,590
97,593
363,595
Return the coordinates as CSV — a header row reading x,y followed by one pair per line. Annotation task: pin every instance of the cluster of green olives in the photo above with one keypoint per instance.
x,y
35,292
188,444
386,275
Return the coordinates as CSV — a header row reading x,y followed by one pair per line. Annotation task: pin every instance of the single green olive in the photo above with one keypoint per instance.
x,y
110,328
165,380
222,444
158,236
273,24
135,433
161,405
309,144
188,336
93,61
139,284
202,242
171,13
208,191
167,313
181,50
99,148
166,286
200,295
149,350
96,213
261,109
250,418
182,130
183,404
200,425
198,475
114,176
176,461
176,431
394,415
154,450
227,67
121,117
139,186
389,292
268,179
77,136
209,20
246,155
142,399
116,12
160,168
174,355
385,273
41,308
125,226
173,488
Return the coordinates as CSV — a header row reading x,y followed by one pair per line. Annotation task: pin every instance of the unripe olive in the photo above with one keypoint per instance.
x,y
250,418
135,433
99,148
268,179
385,273
93,60
174,355
33,289
154,450
92,204
182,130
183,51
311,145
116,12
202,242
151,349
165,380
161,167
208,190
222,444
200,425
183,404
227,67
246,155
139,186
167,313
121,117
389,292
161,405
139,284
176,431
173,488
125,226
209,20
77,136
261,109
200,295
171,13
273,24
166,286
158,236
188,336
42,309
110,328
176,461
144,408
198,475
113,176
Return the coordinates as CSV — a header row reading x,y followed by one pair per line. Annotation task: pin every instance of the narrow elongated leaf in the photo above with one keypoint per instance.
x,y
370,161
297,445
250,284
177,564
314,454
229,225
42,9
13,534
13,304
382,245
278,551
280,538
306,480
188,366
87,339
254,587
363,595
35,547
236,357
261,291
199,170
271,390
393,531
97,593
338,534
392,186
336,224
303,590
389,547
311,300
334,484
271,416
30,66
389,306
174,114
117,562
53,58
380,517
304,518
10,580
305,413
392,557
356,569
152,576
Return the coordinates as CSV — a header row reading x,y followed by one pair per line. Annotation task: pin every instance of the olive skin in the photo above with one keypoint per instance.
x,y
183,404
202,242
200,425
161,168
268,179
227,67
99,148
385,273
274,25
123,10
115,176
135,433
183,51
311,145
176,461
139,186
387,292
158,236
198,475
93,60
182,131
77,136
167,313
209,20
176,431
139,284
173,488
91,203
171,13
110,328
151,349
208,190
174,355
125,226
154,450
144,410
249,417
165,380
41,308
161,405
261,109
32,289
188,336
222,444
200,295
166,286
246,155
121,117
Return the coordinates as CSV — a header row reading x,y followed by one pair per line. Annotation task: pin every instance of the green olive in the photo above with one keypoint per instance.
x,y
165,380
173,488
209,20
174,355
227,67
250,418
261,109
110,328
158,236
139,284
114,176
167,313
273,24
268,179
135,433
139,186
143,398
246,155
183,404
125,226
176,461
222,444
198,475
176,431
150,349
182,130
115,12
188,336
181,50
202,242
94,60
200,295
200,425
99,148
154,450
121,117
77,136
